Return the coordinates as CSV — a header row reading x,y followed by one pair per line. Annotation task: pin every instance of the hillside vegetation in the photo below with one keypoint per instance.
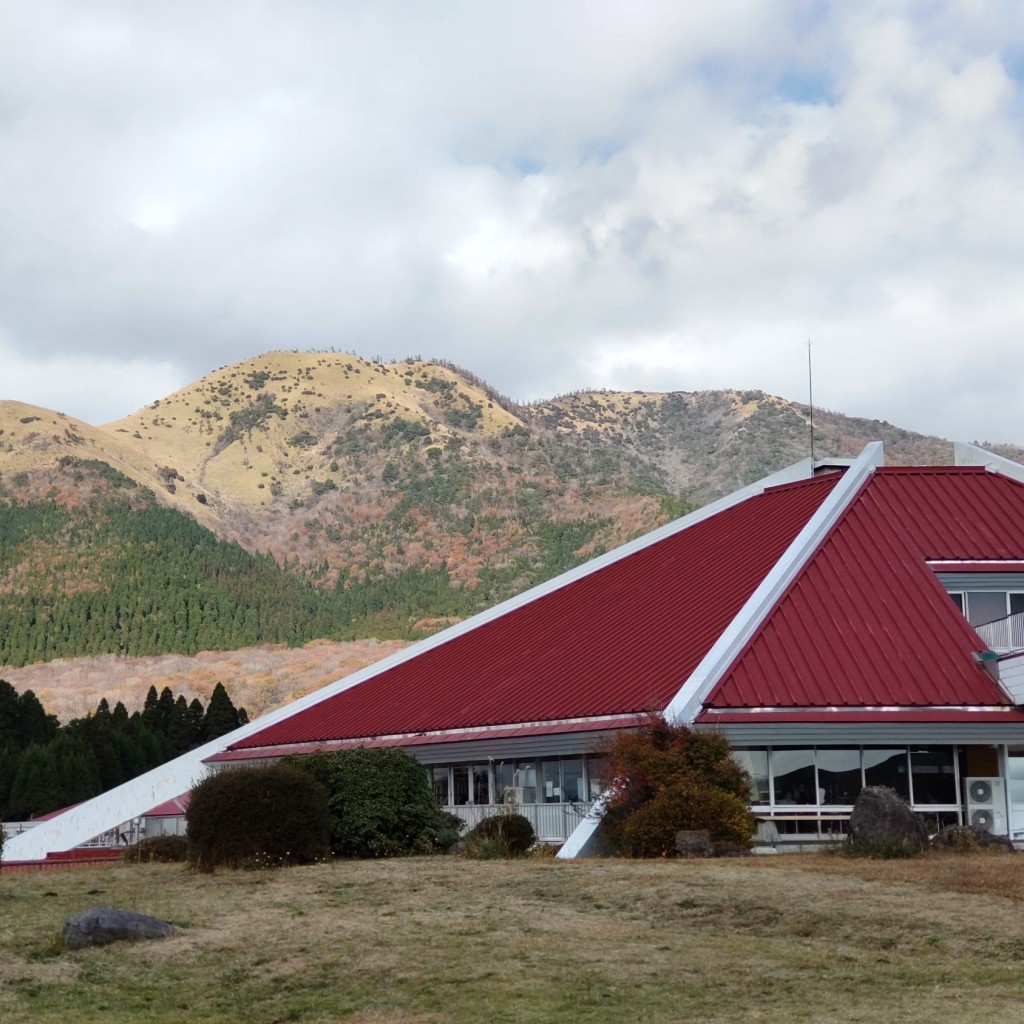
x,y
297,496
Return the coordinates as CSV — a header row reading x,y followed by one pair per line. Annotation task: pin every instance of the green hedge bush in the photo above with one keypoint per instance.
x,y
158,850
381,804
266,816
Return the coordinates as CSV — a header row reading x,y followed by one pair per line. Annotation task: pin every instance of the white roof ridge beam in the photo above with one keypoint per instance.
x,y
133,798
686,704
688,701
965,454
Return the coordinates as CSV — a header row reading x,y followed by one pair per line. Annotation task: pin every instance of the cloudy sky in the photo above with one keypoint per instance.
x,y
554,195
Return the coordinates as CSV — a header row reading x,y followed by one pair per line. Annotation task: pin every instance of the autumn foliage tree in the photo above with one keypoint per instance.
x,y
664,779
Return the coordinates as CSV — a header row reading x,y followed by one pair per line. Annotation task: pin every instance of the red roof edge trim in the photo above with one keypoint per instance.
x,y
986,565
460,733
899,709
876,717
429,739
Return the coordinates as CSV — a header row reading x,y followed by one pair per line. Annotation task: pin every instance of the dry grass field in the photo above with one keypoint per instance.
x,y
800,938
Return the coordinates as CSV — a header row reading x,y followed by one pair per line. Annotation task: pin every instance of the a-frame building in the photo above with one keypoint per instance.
x,y
828,620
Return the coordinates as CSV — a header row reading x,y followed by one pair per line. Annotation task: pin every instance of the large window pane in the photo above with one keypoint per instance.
x,y
503,781
887,767
931,770
755,762
985,606
439,779
460,784
572,780
793,772
481,785
552,776
598,772
526,782
839,775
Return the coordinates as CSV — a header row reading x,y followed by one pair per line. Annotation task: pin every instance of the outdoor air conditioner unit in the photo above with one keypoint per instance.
x,y
986,804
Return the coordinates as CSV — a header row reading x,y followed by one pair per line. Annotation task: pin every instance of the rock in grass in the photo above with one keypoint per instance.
x,y
882,824
99,926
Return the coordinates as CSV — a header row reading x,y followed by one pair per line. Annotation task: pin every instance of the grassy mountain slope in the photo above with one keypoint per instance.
x,y
385,494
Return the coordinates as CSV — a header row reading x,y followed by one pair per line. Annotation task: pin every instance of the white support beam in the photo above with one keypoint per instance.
x,y
971,455
584,838
686,704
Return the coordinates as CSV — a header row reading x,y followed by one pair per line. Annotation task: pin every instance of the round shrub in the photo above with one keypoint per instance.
x,y
650,831
265,816
381,804
666,779
158,850
503,835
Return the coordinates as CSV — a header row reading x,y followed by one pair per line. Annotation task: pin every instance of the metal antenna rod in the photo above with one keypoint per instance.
x,y
810,396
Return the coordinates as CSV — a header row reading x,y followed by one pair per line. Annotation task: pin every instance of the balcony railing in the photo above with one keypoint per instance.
x,y
552,822
1004,634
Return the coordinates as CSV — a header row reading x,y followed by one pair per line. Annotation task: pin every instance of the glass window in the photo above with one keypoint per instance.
x,y
460,784
439,779
1016,604
985,606
481,785
839,779
503,782
887,767
755,763
598,770
793,775
526,782
958,600
932,776
552,783
572,780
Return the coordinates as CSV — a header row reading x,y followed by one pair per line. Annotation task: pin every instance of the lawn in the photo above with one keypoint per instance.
x,y
768,939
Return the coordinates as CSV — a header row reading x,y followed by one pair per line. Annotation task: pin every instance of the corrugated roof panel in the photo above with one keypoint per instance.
x,y
867,623
617,641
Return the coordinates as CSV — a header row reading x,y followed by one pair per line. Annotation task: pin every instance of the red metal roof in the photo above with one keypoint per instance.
x,y
619,640
170,808
866,623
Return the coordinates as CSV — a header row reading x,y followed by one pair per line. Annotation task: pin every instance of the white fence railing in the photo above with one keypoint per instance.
x,y
552,822
1004,634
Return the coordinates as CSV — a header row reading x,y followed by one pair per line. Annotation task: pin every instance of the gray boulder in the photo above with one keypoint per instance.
x,y
99,926
883,824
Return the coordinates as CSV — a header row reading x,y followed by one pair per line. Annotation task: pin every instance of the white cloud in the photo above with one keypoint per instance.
x,y
554,196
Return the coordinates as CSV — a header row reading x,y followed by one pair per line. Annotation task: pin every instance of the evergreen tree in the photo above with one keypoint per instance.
x,y
164,711
221,714
150,711
36,788
179,731
10,717
34,724
8,769
77,772
196,716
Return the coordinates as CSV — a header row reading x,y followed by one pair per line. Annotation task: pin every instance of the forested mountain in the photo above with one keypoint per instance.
x,y
301,495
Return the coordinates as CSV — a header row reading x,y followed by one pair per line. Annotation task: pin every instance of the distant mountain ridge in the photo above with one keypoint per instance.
x,y
412,483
